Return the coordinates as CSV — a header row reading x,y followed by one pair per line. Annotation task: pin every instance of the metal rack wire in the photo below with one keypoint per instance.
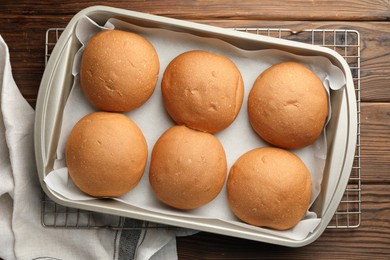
x,y
348,214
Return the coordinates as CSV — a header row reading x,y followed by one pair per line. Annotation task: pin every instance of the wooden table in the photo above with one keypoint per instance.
x,y
23,25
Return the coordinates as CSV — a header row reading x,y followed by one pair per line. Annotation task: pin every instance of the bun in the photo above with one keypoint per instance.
x,y
288,105
269,187
106,154
202,90
188,168
118,70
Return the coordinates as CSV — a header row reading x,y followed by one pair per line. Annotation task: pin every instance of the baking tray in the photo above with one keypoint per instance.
x,y
57,81
348,214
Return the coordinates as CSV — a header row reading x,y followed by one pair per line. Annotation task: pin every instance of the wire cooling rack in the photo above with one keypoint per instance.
x,y
348,214
347,44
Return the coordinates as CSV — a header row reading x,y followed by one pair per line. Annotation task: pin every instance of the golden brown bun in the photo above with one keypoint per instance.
x,y
269,187
106,154
188,168
118,70
202,90
288,105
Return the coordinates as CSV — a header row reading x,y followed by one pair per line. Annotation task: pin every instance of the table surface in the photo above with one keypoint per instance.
x,y
23,25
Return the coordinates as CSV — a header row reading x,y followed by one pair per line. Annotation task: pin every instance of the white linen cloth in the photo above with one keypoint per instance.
x,y
21,234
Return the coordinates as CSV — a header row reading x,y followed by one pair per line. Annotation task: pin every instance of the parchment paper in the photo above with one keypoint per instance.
x,y
153,120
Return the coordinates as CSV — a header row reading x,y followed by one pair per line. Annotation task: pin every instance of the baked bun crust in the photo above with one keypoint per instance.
x,y
269,187
288,105
118,70
188,168
106,154
202,90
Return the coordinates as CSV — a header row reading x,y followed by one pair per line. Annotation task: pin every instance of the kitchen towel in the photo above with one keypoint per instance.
x,y
21,234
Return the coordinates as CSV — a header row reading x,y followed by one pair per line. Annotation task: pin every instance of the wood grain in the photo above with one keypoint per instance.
x,y
375,140
371,239
347,10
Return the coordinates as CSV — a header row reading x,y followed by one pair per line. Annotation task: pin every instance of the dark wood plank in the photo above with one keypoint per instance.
x,y
371,239
254,10
375,142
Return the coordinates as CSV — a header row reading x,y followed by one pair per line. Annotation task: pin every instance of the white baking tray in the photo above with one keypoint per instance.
x,y
57,82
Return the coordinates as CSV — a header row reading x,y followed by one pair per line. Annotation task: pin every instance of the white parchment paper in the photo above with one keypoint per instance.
x,y
153,120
